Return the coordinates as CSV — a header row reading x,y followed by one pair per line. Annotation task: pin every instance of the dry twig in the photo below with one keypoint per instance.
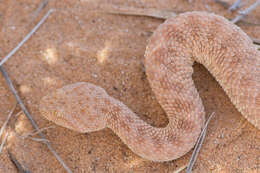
x,y
198,145
3,142
245,12
42,5
7,120
36,132
25,38
235,6
11,86
3,128
43,140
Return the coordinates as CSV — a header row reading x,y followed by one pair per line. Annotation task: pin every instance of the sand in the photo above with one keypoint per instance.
x,y
80,43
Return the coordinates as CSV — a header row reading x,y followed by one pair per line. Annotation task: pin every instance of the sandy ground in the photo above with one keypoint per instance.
x,y
79,43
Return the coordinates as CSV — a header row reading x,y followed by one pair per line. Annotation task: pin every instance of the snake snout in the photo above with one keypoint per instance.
x,y
75,107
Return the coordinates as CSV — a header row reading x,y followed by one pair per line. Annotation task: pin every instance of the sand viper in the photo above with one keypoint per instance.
x,y
222,47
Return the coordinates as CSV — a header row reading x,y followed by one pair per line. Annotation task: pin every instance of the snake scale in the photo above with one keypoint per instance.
x,y
222,47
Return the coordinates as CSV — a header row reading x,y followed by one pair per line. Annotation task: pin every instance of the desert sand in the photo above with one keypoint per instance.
x,y
79,42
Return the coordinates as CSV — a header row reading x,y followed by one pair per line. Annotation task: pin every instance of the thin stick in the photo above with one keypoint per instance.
x,y
198,145
3,128
245,12
11,86
7,120
42,5
2,144
39,140
36,132
234,6
26,37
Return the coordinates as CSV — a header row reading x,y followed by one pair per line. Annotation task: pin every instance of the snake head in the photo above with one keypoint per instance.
x,y
75,107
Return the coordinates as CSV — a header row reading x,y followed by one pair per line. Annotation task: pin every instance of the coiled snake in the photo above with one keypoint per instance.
x,y
222,47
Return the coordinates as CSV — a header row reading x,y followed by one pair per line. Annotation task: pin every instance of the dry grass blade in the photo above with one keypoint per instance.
x,y
26,38
7,120
180,169
3,142
198,145
36,132
3,128
160,14
245,12
40,140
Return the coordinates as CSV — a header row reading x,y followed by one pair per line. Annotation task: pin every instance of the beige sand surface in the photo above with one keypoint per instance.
x,y
79,43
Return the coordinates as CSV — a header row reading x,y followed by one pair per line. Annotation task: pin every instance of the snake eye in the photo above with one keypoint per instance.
x,y
76,107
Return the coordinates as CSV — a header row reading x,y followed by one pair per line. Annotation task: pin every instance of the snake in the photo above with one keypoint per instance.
x,y
206,38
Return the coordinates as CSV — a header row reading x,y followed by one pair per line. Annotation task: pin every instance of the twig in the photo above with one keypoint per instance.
x,y
17,164
234,6
40,140
198,145
7,120
242,14
3,128
11,86
42,5
36,132
2,144
26,37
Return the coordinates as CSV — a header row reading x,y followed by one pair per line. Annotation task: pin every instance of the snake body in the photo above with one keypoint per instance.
x,y
222,47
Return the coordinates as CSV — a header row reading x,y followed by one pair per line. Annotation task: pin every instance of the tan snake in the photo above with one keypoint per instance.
x,y
222,47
